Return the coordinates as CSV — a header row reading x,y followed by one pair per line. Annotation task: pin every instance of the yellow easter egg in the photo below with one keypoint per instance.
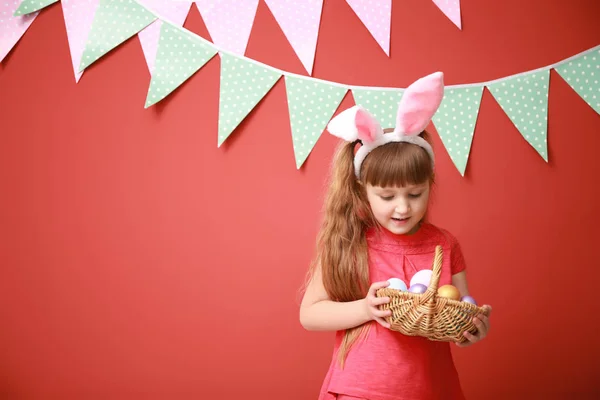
x,y
449,292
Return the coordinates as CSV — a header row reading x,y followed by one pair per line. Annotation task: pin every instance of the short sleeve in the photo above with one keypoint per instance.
x,y
457,261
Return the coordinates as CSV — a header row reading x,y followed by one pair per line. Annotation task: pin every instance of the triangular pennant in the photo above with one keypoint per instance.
x,y
29,6
11,27
452,10
583,75
79,15
455,122
229,22
524,99
377,18
381,103
299,21
174,11
243,85
115,21
311,105
180,55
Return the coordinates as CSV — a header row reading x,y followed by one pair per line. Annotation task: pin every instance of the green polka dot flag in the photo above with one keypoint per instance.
x,y
583,75
29,6
311,105
524,99
180,55
115,21
455,122
243,85
382,104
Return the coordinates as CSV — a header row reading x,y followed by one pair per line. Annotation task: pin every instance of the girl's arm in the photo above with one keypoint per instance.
x,y
482,322
319,313
459,281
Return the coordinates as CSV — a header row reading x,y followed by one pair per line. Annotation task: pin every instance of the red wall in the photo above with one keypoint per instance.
x,y
138,260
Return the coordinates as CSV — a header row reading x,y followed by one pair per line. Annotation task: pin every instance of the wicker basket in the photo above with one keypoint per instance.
x,y
429,315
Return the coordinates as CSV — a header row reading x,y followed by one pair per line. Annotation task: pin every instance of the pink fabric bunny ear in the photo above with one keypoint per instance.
x,y
368,128
419,103
355,123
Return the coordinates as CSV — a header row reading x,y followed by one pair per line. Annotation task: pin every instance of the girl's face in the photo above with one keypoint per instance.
x,y
399,209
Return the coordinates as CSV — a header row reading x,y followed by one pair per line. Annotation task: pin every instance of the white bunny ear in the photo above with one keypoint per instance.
x,y
419,104
355,123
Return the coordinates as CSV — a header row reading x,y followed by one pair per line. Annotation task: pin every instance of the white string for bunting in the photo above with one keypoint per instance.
x,y
352,87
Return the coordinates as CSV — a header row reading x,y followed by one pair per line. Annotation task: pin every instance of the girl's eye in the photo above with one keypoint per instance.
x,y
414,195
386,198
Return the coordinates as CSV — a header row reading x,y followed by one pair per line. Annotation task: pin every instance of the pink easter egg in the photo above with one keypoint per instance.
x,y
418,288
469,299
423,277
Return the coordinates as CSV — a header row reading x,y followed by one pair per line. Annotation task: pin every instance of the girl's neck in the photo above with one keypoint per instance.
x,y
414,235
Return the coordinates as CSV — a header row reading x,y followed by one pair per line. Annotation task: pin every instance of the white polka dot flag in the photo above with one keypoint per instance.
x,y
451,8
583,75
243,85
180,55
229,22
381,103
377,17
299,21
524,98
78,15
11,27
311,105
29,6
175,11
455,122
115,21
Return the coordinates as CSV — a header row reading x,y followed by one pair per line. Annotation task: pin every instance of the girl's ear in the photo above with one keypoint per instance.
x,y
419,103
355,123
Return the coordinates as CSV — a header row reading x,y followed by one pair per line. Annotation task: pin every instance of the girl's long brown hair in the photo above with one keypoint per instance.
x,y
341,243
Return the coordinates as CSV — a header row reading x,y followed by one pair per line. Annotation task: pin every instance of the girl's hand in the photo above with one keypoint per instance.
x,y
372,302
483,327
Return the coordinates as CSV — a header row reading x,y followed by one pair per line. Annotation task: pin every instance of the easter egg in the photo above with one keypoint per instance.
x,y
418,288
449,292
469,299
397,284
423,277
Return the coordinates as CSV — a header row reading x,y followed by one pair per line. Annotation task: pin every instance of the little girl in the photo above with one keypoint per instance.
x,y
375,229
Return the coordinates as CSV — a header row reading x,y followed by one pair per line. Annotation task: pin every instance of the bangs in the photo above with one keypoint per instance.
x,y
397,164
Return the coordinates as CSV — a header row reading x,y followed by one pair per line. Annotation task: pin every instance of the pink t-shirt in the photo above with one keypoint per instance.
x,y
388,365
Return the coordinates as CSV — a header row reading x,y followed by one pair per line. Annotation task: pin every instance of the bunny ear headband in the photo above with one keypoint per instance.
x,y
418,104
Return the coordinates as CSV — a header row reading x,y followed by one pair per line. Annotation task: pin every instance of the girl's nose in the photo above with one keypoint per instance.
x,y
402,207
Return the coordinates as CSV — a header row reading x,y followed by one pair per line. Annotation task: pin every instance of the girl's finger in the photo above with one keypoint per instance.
x,y
472,338
382,322
378,285
481,328
377,301
378,313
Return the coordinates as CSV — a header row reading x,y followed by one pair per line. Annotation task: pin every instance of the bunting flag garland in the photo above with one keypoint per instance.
x,y
311,104
451,8
455,122
229,22
377,17
29,6
524,98
300,22
12,27
180,55
79,15
243,85
583,75
175,11
382,103
115,21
